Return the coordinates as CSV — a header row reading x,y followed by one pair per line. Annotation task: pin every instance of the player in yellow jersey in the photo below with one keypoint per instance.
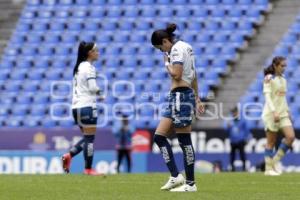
x,y
276,116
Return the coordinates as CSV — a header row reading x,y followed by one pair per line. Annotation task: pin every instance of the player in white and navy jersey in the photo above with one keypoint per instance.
x,y
85,93
183,98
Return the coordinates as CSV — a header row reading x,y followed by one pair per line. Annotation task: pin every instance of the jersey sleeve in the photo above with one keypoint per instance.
x,y
177,56
267,84
91,73
267,91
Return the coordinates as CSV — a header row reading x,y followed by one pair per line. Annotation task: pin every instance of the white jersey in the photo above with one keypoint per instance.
x,y
182,53
82,96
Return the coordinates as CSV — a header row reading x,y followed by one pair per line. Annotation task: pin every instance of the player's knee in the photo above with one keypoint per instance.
x,y
290,140
159,139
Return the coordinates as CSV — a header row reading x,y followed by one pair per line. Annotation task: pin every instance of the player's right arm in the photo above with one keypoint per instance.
x,y
267,92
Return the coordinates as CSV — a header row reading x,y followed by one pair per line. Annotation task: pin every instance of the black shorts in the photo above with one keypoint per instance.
x,y
86,116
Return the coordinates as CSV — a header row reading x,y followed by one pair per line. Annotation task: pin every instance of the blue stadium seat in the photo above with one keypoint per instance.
x,y
114,12
139,37
199,12
38,110
212,2
57,25
98,2
218,13
14,121
40,98
165,12
48,123
235,13
146,61
126,25
148,11
245,2
131,12
12,86
74,25
97,12
121,37
147,2
229,3
19,110
82,2
130,2
142,25
31,122
129,62
66,123
182,11
109,25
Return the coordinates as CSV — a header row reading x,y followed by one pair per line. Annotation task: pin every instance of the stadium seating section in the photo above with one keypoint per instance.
x,y
288,47
36,67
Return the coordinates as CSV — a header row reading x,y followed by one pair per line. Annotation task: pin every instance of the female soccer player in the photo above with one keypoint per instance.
x,y
85,92
180,64
276,115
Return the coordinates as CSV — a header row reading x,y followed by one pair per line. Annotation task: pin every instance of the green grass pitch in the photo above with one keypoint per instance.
x,y
223,186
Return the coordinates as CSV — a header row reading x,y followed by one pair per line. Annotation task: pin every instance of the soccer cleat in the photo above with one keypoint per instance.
x,y
91,172
277,167
271,173
185,188
66,162
173,182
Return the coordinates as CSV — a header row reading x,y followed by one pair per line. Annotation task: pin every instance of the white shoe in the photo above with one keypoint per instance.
x,y
277,167
173,182
185,188
271,173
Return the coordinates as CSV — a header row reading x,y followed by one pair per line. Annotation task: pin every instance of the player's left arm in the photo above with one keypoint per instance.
x,y
199,104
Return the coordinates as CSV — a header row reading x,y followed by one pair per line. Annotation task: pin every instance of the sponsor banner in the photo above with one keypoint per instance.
x,y
49,162
141,141
208,162
63,139
217,141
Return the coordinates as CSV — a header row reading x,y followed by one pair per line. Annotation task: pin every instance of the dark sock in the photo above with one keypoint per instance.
x,y
88,150
185,143
77,148
167,153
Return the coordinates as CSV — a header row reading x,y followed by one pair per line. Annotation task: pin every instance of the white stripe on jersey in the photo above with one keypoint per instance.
x,y
182,53
82,96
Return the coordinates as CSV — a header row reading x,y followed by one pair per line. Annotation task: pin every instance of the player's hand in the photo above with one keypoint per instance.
x,y
200,108
166,58
276,117
101,98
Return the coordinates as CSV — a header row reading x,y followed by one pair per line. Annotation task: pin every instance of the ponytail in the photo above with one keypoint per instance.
x,y
82,54
168,33
271,68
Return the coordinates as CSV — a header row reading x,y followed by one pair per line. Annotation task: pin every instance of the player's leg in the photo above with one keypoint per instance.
x,y
232,156
160,138
128,159
119,159
289,137
242,154
271,129
271,140
76,149
88,122
185,142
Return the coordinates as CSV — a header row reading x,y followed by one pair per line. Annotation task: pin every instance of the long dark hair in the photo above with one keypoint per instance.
x,y
271,68
83,50
168,33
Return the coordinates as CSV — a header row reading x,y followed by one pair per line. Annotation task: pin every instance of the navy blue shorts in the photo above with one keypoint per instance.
x,y
86,116
181,106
